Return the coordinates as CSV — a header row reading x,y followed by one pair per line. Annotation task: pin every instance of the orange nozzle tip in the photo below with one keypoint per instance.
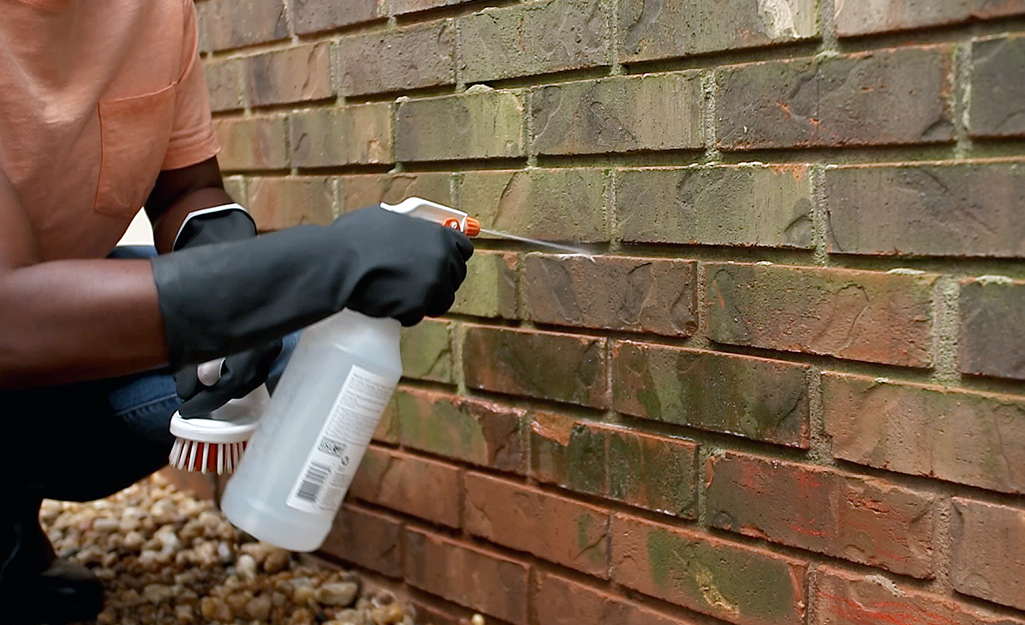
x,y
472,227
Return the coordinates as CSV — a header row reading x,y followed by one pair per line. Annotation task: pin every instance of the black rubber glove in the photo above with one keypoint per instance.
x,y
228,297
241,373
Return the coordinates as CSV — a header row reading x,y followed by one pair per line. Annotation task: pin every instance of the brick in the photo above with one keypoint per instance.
x,y
298,74
561,530
998,88
387,430
836,101
227,24
992,316
467,575
858,315
561,367
535,38
224,84
612,293
861,519
402,7
739,584
251,143
362,190
863,18
648,112
746,205
408,58
423,488
677,28
369,539
757,398
235,186
933,431
989,552
277,203
560,601
311,16
477,431
551,204
480,123
426,350
353,135
490,286
645,470
844,598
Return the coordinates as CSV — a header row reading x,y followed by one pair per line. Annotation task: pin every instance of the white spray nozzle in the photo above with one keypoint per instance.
x,y
438,213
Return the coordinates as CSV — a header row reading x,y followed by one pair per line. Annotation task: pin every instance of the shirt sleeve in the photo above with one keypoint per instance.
x,y
192,135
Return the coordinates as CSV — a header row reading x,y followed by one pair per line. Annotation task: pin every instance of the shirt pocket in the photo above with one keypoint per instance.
x,y
134,135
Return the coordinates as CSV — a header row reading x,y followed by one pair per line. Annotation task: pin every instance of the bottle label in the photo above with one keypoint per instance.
x,y
339,448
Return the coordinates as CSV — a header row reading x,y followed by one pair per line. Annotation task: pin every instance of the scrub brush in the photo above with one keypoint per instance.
x,y
215,443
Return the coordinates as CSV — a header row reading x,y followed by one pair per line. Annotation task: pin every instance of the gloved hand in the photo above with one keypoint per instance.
x,y
240,373
228,297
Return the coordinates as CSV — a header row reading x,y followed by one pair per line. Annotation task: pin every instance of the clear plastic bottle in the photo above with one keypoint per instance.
x,y
312,437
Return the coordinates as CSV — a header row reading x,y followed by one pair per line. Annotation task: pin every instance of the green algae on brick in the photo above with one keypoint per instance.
x,y
427,351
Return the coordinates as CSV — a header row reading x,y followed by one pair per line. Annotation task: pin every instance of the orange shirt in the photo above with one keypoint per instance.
x,y
96,97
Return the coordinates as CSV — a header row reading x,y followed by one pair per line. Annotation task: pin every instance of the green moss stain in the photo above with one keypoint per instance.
x,y
591,541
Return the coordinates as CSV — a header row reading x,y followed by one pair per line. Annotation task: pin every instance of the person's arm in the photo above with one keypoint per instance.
x,y
179,192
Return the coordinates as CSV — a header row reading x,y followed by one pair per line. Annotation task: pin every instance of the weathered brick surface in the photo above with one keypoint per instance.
x,y
534,38
481,123
748,205
967,209
989,552
367,538
467,575
310,16
738,584
409,58
362,190
864,520
649,471
291,75
755,398
969,438
224,84
477,431
402,7
424,488
252,143
228,24
649,30
992,316
649,112
612,293
860,315
426,350
548,526
359,134
844,598
387,430
554,204
863,18
836,101
560,601
490,288
277,203
998,87
546,365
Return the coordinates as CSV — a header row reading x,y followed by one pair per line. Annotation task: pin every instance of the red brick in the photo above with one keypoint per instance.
x,y
757,398
310,16
224,84
998,87
992,317
836,101
864,520
963,437
490,288
561,367
477,431
548,526
739,584
226,24
251,143
640,469
297,74
560,601
362,190
859,315
844,598
989,552
397,60
612,293
423,488
864,18
352,135
277,203
368,539
480,123
467,575
426,351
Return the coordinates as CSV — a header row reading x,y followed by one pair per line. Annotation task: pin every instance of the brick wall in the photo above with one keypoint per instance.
x,y
788,387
